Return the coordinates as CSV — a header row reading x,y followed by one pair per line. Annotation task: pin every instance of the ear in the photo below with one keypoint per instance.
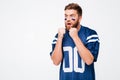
x,y
80,18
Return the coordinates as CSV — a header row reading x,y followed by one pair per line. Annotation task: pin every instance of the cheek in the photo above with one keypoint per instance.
x,y
73,19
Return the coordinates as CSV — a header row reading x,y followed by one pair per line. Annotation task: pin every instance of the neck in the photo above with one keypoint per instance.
x,y
78,27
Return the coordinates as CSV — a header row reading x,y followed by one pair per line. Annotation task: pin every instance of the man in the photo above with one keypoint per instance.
x,y
75,47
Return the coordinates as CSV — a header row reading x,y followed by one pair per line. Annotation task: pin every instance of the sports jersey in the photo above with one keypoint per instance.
x,y
72,66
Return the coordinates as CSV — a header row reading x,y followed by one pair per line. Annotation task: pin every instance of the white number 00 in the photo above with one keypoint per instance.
x,y
71,66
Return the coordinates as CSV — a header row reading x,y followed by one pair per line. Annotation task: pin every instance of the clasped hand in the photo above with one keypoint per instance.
x,y
73,32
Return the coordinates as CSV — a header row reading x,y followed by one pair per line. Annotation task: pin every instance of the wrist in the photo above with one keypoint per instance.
x,y
75,38
60,36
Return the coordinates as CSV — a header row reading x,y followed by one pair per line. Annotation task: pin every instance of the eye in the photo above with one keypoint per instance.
x,y
65,18
73,18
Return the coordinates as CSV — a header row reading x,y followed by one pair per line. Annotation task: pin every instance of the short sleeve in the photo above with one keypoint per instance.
x,y
92,43
54,43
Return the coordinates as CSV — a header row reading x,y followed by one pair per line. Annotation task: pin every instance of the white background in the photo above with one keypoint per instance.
x,y
27,28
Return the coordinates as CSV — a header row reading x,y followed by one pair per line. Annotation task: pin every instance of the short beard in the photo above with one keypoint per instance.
x,y
75,25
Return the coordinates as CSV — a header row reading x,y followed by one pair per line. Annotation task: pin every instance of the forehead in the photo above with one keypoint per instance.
x,y
70,12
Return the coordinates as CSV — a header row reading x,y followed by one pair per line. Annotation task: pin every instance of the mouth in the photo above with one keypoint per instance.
x,y
69,24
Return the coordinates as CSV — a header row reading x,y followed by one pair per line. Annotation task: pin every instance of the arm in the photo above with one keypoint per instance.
x,y
85,54
57,52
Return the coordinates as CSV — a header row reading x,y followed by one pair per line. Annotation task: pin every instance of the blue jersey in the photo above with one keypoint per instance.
x,y
72,66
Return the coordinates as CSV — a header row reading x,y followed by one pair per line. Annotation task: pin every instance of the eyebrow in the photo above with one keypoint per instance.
x,y
70,15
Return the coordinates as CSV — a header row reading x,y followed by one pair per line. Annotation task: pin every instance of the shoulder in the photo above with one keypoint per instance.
x,y
90,34
88,31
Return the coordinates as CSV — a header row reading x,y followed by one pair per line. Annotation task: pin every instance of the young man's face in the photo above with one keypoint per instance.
x,y
72,19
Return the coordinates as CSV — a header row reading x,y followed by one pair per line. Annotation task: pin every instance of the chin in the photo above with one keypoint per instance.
x,y
68,27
